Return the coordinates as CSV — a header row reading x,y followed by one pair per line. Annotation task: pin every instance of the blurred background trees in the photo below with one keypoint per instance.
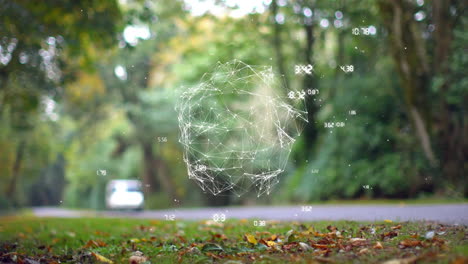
x,y
90,85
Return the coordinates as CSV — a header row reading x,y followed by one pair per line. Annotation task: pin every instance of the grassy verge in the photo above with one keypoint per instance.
x,y
94,240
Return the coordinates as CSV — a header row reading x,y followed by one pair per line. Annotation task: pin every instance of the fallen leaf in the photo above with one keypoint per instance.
x,y
251,239
95,243
304,246
212,247
388,221
319,246
410,243
396,227
101,258
290,246
363,251
356,239
271,243
358,242
378,245
291,236
220,236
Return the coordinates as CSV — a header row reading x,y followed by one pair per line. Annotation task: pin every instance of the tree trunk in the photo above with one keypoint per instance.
x,y
277,45
156,169
15,172
310,130
451,129
416,74
410,56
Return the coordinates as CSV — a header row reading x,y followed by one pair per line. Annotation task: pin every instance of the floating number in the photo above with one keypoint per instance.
x,y
219,217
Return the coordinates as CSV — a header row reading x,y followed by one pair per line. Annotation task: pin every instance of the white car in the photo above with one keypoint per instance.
x,y
124,194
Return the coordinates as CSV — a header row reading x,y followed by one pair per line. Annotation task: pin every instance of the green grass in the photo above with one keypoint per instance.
x,y
51,240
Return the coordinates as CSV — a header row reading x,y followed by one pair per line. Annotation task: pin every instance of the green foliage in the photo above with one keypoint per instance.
x,y
63,55
374,148
85,187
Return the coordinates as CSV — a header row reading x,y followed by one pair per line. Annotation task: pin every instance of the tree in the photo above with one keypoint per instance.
x,y
422,51
42,44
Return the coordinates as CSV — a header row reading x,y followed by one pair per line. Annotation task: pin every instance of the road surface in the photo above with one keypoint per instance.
x,y
445,213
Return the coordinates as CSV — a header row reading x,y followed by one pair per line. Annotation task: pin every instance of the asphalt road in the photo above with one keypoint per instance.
x,y
446,213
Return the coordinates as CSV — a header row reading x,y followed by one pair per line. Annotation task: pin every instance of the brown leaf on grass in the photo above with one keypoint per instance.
x,y
331,228
317,234
323,253
441,243
219,236
378,245
101,258
357,241
363,251
410,243
272,238
290,246
396,227
321,246
390,234
95,244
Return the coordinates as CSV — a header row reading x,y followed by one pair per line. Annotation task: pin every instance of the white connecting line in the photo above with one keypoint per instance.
x,y
235,134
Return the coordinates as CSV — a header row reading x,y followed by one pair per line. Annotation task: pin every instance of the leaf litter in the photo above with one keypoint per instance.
x,y
236,241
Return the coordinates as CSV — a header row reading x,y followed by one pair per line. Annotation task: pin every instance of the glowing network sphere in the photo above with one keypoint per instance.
x,y
235,132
